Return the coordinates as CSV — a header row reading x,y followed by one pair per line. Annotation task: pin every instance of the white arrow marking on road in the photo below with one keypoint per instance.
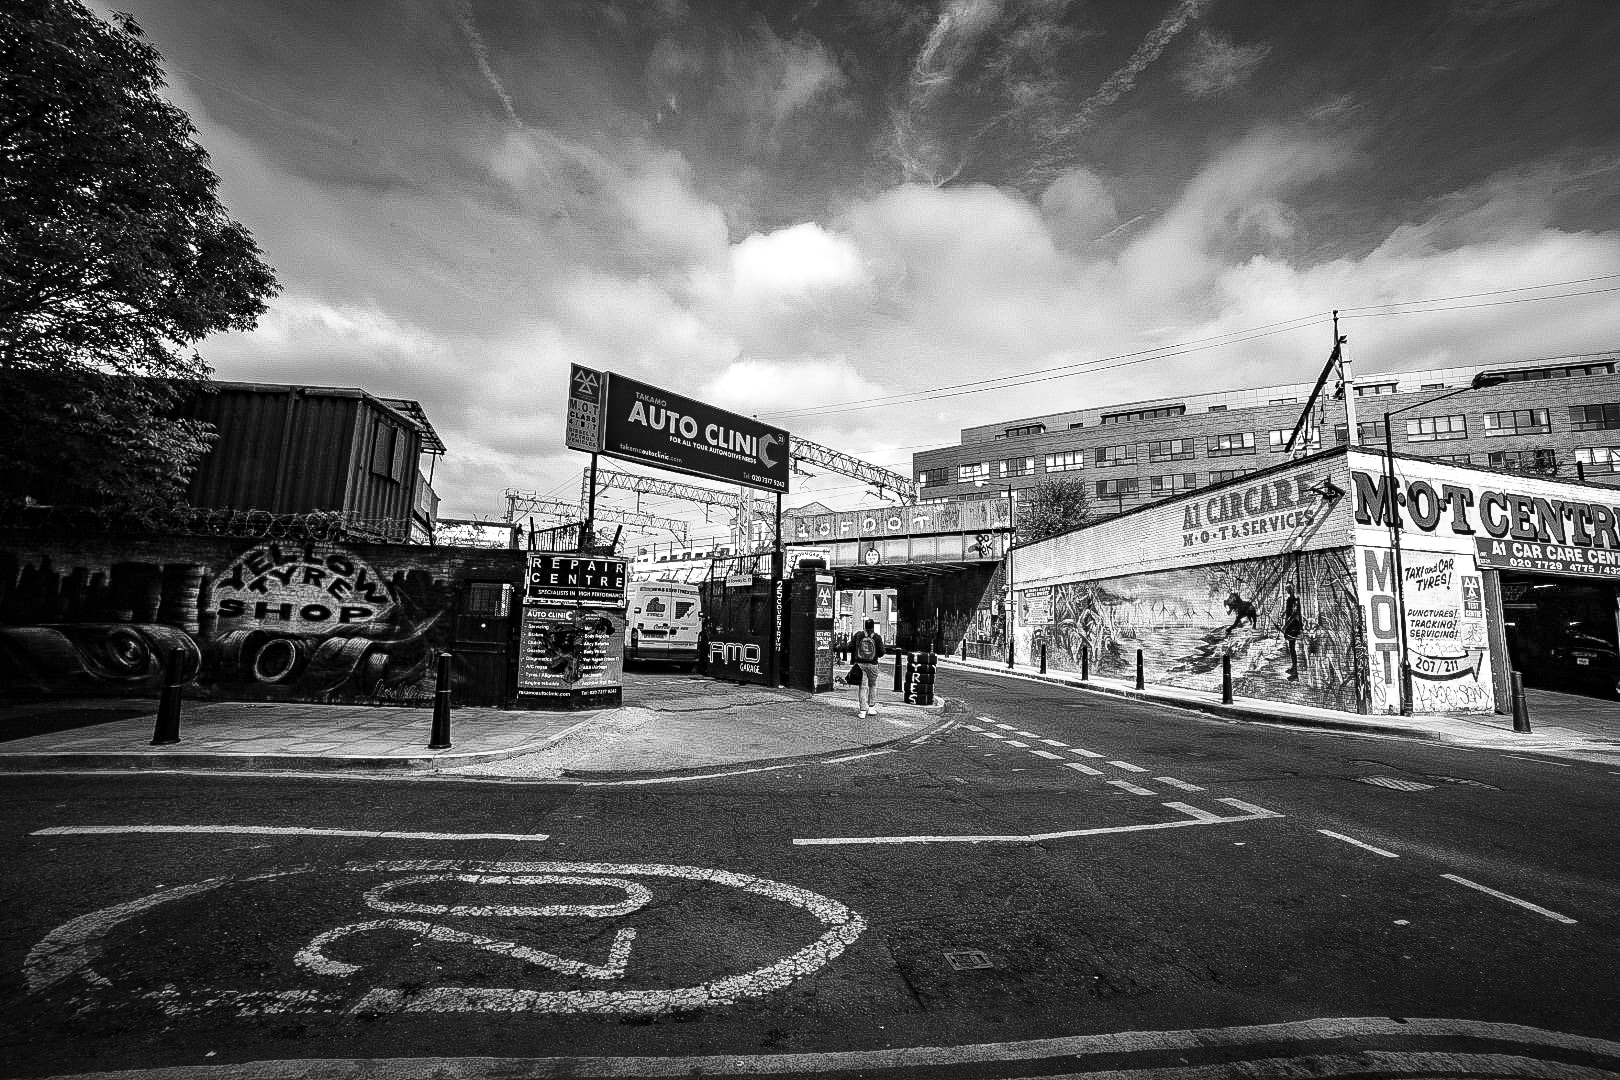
x,y
1194,817
1488,891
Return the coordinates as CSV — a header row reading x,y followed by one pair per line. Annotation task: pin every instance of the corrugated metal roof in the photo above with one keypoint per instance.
x,y
409,412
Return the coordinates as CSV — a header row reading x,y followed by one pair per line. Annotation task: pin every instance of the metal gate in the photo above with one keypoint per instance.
x,y
483,644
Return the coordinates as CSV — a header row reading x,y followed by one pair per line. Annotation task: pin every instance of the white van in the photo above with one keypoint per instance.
x,y
665,617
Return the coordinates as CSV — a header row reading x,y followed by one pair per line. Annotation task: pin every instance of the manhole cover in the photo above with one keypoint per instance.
x,y
1393,783
967,959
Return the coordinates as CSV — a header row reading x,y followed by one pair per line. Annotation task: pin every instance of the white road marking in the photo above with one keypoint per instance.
x,y
1084,753
984,719
1540,761
1029,734
1126,785
70,950
1047,754
1020,745
993,735
1358,843
898,723
1077,767
278,830
1127,766
1005,727
857,757
312,957
1249,808
1511,1050
973,727
1182,784
1054,742
1527,905
1193,817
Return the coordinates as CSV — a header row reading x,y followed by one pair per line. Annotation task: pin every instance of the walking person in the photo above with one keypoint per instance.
x,y
867,645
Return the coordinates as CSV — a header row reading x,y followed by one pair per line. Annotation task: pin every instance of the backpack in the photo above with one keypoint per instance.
x,y
866,648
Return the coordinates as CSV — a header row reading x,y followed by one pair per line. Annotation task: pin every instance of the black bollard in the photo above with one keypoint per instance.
x,y
898,684
1226,678
440,738
964,647
1521,707
167,729
1085,662
1009,650
1043,658
1141,684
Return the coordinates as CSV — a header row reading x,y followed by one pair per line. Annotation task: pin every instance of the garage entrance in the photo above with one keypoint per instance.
x,y
1562,633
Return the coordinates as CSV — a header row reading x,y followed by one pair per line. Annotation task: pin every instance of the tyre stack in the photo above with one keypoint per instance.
x,y
921,690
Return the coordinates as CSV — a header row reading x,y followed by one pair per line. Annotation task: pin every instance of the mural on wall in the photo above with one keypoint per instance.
x,y
285,621
1445,631
1290,623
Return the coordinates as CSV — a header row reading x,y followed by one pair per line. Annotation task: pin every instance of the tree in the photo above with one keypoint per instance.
x,y
1055,505
116,258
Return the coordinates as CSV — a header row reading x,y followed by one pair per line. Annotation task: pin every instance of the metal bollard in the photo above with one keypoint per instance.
x,y
1226,678
1009,650
1085,661
898,684
964,647
440,738
1141,684
167,729
1521,707
1043,658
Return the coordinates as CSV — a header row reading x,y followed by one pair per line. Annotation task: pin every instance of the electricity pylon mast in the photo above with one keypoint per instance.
x,y
883,479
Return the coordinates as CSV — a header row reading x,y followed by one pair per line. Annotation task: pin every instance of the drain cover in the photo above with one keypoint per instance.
x,y
1394,783
967,959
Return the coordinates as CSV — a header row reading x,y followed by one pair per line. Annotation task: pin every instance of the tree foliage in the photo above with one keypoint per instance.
x,y
1054,505
116,258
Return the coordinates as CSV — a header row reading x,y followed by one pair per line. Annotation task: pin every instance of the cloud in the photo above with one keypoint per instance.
x,y
475,42
771,386
1214,64
1120,82
794,263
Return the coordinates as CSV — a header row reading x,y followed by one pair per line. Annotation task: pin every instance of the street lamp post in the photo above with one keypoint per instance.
x,y
1479,382
1012,508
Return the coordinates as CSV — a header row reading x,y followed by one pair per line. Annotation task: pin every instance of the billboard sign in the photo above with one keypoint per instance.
x,y
555,578
667,431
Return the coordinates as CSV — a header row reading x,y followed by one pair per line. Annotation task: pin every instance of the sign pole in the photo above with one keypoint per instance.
x,y
588,533
778,668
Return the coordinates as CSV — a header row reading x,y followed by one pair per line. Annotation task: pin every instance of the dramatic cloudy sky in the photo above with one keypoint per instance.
x,y
834,215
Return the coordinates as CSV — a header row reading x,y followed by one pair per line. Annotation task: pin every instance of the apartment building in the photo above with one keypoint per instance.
x,y
1556,417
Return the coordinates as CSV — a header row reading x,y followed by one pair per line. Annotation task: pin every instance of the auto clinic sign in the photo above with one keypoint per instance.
x,y
643,423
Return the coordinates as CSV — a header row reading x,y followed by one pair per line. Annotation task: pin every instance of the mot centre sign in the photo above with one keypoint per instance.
x,y
640,422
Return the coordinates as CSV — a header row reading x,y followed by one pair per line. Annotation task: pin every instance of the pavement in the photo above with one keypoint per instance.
x,y
667,728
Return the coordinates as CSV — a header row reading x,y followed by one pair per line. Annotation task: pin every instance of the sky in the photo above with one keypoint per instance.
x,y
876,222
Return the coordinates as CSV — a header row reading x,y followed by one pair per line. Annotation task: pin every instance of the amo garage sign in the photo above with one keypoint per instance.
x,y
643,423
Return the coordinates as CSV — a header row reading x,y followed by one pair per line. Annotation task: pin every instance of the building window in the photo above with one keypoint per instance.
x,y
967,474
1341,435
1534,462
1283,401
1174,484
1144,414
1238,442
1217,408
1018,466
388,451
1437,428
1455,459
1375,389
1104,456
1220,476
1066,461
1568,371
931,477
1594,417
1524,422
1125,488
1026,429
1311,440
1077,423
1598,458
1170,450
1433,386
1370,432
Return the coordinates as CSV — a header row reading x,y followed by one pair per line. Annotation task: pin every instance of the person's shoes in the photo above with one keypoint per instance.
x,y
863,714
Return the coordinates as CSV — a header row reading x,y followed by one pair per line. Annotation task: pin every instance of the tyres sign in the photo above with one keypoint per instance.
x,y
643,423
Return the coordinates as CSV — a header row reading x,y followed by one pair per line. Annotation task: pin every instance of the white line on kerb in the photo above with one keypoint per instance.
x,y
1358,843
1127,766
1182,784
1527,905
278,830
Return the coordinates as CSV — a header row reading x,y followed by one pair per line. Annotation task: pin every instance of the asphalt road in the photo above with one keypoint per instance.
x,y
1055,867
